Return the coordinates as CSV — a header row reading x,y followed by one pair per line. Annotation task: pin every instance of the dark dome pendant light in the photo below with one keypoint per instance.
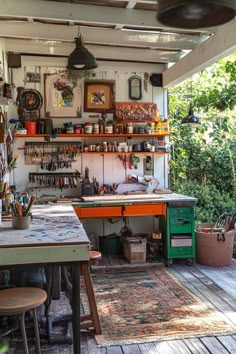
x,y
195,13
81,58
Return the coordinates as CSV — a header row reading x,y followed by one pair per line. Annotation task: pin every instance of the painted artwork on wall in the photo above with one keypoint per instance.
x,y
62,97
137,111
99,96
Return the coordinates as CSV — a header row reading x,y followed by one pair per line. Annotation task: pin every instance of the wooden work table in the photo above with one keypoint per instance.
x,y
128,205
55,236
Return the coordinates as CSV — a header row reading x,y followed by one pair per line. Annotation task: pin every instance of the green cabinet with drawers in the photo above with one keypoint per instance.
x,y
178,233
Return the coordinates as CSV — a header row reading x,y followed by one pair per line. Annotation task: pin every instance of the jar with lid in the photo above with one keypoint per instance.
x,y
96,128
69,129
88,128
77,128
129,128
105,148
108,129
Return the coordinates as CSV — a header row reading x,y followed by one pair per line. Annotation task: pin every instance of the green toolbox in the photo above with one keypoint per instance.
x,y
178,233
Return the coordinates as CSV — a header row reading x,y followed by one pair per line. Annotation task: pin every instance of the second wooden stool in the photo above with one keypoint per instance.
x,y
16,301
91,320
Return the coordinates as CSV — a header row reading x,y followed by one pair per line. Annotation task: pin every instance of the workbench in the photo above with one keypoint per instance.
x,y
175,211
128,205
55,236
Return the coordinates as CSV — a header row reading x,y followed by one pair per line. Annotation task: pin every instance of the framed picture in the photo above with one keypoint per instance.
x,y
62,98
99,96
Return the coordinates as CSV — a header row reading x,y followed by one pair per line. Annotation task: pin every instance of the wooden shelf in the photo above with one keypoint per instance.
x,y
91,135
125,153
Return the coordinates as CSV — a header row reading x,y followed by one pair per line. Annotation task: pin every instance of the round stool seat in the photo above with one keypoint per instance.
x,y
15,300
94,255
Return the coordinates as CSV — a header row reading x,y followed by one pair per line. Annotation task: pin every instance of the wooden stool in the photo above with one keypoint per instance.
x,y
86,321
91,320
16,301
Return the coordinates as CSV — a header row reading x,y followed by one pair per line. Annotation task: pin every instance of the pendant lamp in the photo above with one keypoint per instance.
x,y
195,13
81,58
191,118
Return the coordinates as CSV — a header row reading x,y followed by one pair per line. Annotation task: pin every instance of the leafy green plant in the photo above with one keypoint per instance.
x,y
203,158
211,203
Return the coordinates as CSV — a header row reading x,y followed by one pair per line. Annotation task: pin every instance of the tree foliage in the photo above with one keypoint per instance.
x,y
204,157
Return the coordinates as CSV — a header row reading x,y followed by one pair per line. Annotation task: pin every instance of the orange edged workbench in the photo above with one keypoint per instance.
x,y
117,205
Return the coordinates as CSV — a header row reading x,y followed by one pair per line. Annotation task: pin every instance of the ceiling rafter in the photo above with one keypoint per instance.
x,y
80,12
100,36
32,26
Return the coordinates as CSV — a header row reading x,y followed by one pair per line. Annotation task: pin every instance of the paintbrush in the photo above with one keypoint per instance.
x,y
31,202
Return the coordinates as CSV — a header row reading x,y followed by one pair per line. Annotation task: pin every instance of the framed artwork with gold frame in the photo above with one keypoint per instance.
x,y
99,96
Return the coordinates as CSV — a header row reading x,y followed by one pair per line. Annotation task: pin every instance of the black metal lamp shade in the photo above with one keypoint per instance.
x,y
191,118
195,13
81,58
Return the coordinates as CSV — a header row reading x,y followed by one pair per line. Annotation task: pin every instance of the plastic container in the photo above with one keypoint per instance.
x,y
110,244
214,248
31,127
21,222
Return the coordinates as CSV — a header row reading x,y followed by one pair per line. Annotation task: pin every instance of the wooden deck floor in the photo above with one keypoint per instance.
x,y
216,286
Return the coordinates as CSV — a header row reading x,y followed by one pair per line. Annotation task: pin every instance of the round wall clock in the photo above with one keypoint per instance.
x,y
31,100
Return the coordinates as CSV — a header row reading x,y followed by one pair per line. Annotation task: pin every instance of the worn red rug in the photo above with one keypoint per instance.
x,y
150,305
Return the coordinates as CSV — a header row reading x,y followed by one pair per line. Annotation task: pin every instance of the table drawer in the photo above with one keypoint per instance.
x,y
99,212
180,212
180,251
180,228
145,209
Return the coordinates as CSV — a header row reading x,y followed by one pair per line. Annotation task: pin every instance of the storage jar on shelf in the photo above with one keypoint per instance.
x,y
88,128
108,129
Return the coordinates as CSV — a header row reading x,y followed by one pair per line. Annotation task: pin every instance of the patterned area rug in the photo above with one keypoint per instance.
x,y
151,305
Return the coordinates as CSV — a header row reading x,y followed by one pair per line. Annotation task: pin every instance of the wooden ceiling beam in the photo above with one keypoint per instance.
x,y
65,33
100,52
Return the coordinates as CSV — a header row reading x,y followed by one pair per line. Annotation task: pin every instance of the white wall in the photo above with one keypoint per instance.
x,y
108,168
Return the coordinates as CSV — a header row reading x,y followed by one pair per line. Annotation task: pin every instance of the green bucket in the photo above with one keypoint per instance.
x,y
110,244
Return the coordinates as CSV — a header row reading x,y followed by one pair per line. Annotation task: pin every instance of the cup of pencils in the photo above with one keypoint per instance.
x,y
3,189
21,214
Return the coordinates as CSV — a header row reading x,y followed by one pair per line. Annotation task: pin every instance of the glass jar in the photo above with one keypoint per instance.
x,y
96,128
77,128
130,128
88,128
108,129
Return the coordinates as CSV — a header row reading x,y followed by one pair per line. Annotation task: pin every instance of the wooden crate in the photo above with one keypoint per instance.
x,y
134,249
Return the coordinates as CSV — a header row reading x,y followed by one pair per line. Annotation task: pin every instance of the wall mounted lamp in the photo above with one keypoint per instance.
x,y
81,58
195,13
